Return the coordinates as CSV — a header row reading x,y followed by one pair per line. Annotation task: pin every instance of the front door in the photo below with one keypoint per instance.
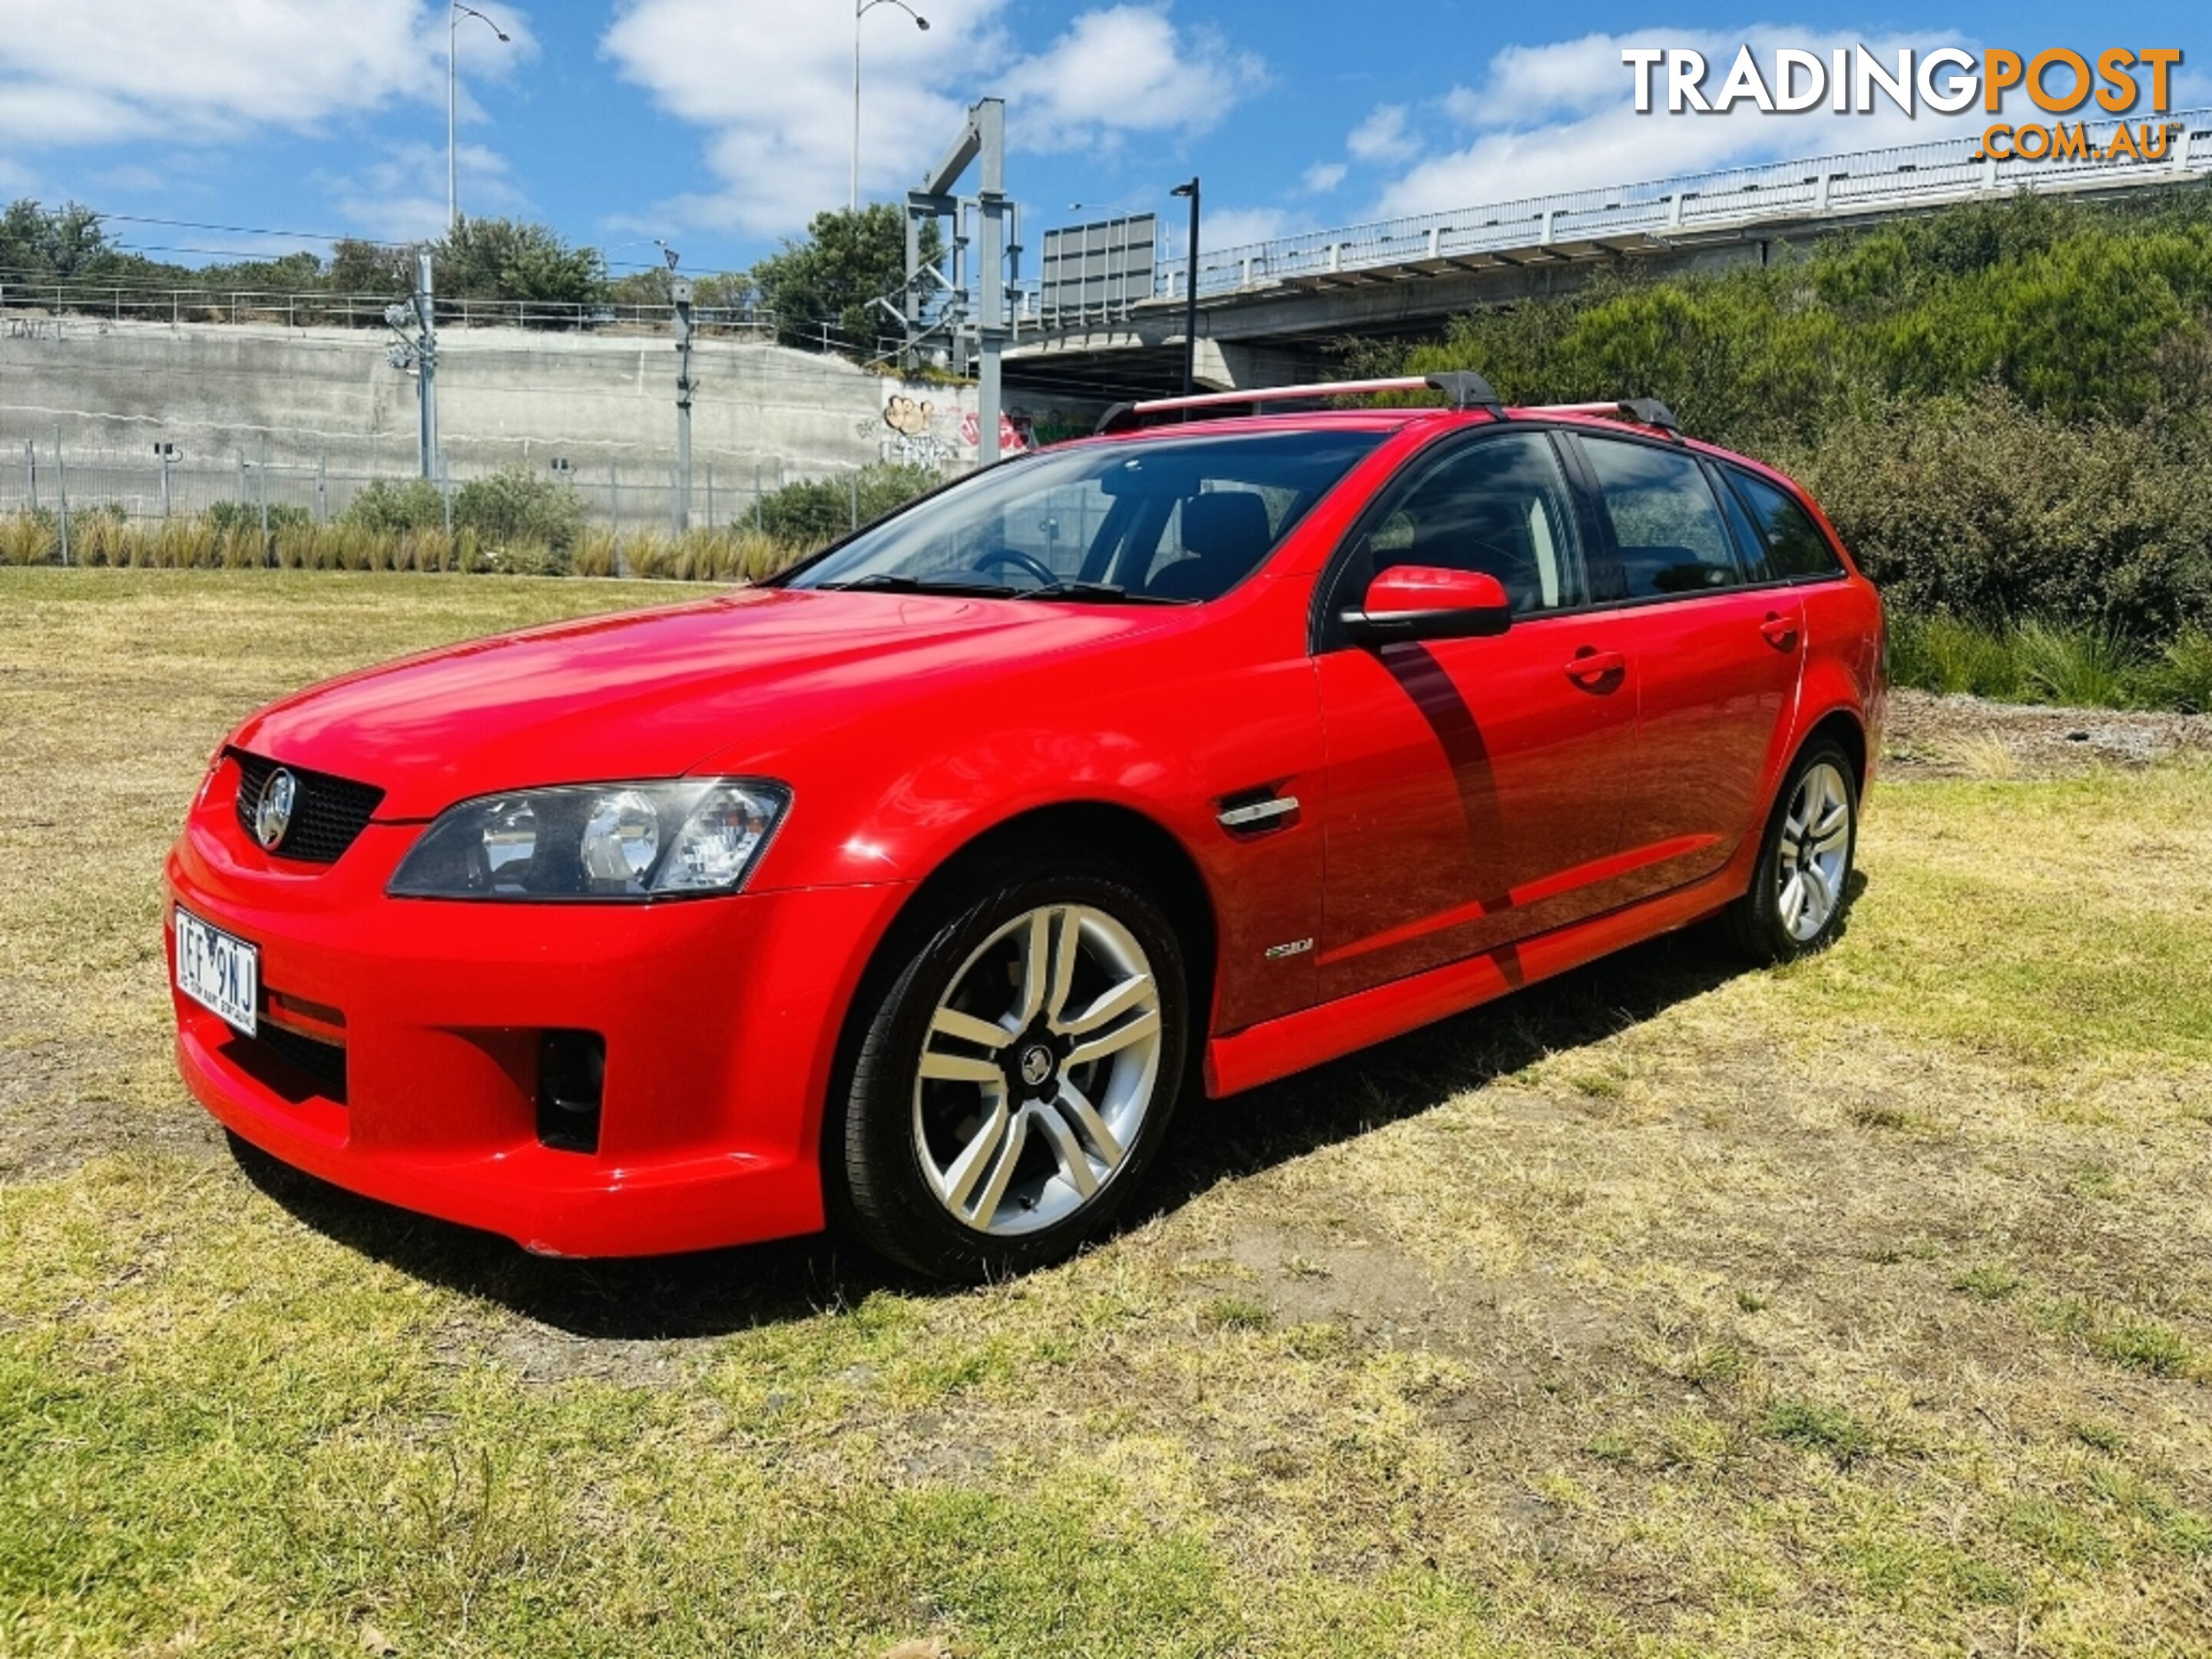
x,y
1474,785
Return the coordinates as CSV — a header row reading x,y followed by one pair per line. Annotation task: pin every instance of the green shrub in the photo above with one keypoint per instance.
x,y
519,505
2084,667
2181,678
223,517
393,505
811,512
1979,507
1945,654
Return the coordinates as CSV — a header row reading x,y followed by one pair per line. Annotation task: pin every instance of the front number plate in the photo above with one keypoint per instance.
x,y
220,972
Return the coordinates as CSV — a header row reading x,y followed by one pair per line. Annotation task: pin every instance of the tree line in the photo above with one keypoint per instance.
x,y
821,289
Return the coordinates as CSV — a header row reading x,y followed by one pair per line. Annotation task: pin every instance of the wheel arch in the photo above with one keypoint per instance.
x,y
1844,726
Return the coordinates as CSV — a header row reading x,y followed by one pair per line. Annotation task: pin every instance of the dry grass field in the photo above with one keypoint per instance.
x,y
1864,1307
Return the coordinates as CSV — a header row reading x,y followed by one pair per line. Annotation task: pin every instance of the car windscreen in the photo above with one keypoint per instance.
x,y
1158,520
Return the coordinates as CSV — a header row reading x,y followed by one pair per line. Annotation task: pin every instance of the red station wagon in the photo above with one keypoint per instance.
x,y
917,886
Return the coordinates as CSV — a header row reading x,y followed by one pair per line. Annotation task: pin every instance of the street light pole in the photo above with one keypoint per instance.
x,y
861,9
454,13
1190,294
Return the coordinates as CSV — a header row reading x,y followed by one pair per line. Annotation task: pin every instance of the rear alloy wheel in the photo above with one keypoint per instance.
x,y
1799,891
1017,1076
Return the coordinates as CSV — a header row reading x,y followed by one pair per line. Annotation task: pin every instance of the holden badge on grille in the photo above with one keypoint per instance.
x,y
272,816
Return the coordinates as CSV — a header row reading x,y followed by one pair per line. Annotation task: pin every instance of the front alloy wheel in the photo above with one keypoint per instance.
x,y
1043,1059
1017,1075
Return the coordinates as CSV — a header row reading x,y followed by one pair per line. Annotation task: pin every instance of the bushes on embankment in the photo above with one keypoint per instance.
x,y
2005,409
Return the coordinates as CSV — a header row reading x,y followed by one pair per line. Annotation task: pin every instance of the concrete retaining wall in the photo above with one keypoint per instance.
x,y
603,402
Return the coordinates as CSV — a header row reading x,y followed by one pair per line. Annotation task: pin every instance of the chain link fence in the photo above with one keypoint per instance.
x,y
49,477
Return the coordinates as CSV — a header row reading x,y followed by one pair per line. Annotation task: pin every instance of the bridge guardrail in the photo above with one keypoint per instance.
x,y
1900,175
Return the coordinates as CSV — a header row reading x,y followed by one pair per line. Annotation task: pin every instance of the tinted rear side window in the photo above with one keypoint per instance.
x,y
1665,524
1792,545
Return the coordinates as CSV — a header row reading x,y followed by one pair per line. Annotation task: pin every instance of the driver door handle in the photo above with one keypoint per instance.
x,y
1588,669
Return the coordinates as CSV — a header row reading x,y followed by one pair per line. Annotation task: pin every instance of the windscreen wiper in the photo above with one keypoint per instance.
x,y
1082,592
887,582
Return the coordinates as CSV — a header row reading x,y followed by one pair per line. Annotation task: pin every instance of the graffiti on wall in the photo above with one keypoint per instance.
x,y
914,431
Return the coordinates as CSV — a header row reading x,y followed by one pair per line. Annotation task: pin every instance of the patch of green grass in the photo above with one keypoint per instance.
x,y
1612,1448
1819,1428
1236,1313
2003,927
2058,1532
2102,1436
1710,1363
1992,1281
2142,1345
1899,1567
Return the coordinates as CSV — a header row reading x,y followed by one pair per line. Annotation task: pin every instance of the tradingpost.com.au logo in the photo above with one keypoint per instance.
x,y
1948,80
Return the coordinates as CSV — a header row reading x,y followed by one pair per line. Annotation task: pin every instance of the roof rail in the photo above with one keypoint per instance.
x,y
1640,411
1465,389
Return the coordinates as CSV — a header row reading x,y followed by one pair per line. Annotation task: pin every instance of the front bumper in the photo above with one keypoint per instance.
x,y
720,1019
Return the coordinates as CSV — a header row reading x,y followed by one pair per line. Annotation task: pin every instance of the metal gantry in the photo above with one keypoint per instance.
x,y
962,302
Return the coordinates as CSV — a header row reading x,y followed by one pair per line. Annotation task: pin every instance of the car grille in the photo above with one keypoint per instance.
x,y
328,812
323,1063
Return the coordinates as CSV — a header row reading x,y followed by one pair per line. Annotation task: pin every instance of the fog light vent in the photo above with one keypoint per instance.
x,y
572,1071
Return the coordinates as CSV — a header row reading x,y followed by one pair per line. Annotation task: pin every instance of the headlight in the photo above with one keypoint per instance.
x,y
601,840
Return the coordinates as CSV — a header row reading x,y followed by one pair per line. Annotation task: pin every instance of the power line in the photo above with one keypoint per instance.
x,y
246,230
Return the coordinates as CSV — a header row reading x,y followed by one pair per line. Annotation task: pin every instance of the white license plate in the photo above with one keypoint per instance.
x,y
220,972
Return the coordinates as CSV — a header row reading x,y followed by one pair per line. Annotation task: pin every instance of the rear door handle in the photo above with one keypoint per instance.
x,y
1587,667
1780,631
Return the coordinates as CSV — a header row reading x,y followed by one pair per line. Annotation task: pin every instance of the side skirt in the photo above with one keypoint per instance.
x,y
1276,1047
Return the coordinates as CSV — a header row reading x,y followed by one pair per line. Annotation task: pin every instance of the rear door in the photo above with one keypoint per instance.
x,y
1474,785
1717,658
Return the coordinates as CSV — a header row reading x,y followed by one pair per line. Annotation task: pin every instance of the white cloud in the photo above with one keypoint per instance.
x,y
98,71
772,82
1223,229
1322,177
401,196
1122,69
1562,117
1383,136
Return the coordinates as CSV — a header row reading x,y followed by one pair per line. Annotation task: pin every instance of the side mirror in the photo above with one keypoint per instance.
x,y
1426,602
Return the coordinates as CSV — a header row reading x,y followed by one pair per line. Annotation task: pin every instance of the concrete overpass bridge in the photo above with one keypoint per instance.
x,y
1269,310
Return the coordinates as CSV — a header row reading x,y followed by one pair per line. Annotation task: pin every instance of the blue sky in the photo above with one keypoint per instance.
x,y
720,124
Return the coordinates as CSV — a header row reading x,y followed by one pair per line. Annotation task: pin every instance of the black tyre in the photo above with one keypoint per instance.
x,y
1801,887
1016,1073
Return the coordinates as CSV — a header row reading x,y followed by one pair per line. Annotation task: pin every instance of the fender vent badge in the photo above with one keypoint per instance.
x,y
1297,947
1253,814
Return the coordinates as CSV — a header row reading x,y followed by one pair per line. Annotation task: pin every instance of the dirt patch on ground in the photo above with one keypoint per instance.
x,y
55,1113
1929,736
